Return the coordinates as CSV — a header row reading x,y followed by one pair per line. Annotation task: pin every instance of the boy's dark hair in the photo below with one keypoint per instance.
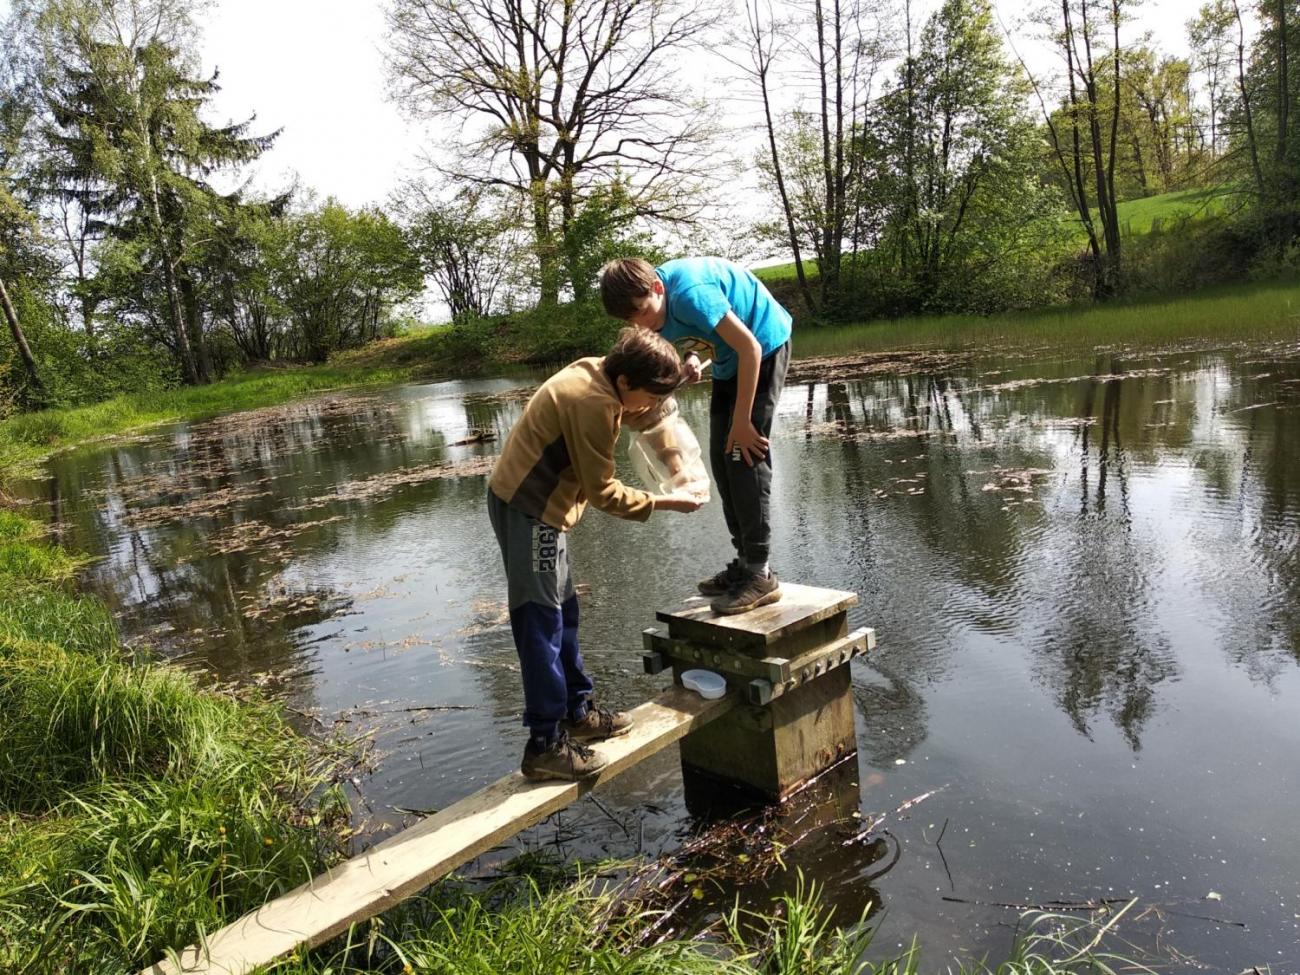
x,y
647,360
622,282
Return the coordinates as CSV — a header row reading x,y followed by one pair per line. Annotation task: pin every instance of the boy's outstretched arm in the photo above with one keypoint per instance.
x,y
753,445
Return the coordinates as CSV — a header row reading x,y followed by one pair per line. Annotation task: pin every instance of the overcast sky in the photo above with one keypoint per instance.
x,y
315,69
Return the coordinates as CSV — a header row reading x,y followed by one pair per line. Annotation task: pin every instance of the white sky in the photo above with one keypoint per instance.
x,y
315,68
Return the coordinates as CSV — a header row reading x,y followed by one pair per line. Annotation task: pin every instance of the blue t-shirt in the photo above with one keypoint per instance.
x,y
701,290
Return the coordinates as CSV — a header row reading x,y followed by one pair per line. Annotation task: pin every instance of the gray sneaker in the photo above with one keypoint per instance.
x,y
565,759
598,725
750,593
720,584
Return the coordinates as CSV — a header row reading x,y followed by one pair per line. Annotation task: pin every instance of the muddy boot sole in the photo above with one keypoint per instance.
x,y
621,733
553,775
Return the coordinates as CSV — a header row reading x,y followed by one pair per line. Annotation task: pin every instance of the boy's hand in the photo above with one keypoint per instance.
x,y
745,437
691,368
685,503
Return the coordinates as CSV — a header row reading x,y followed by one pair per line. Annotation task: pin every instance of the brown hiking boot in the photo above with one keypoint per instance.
x,y
565,759
720,584
598,725
750,593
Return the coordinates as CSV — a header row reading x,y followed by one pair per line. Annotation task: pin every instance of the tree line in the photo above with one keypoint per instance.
x,y
925,166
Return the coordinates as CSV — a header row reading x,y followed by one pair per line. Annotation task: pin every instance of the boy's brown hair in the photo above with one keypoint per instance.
x,y
647,360
623,282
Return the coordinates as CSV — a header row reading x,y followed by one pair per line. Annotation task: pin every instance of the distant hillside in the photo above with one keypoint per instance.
x,y
1137,218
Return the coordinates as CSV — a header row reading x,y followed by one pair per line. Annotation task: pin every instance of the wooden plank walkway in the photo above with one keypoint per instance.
x,y
408,862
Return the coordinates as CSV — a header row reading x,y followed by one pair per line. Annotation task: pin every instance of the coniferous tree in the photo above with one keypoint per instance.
x,y
128,144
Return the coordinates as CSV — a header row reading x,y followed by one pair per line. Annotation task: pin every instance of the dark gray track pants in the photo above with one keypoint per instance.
x,y
746,491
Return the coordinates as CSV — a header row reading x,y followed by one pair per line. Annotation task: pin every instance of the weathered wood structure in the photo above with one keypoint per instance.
x,y
789,661
787,715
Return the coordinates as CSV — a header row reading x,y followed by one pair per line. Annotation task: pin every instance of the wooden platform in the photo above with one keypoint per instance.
x,y
798,609
414,858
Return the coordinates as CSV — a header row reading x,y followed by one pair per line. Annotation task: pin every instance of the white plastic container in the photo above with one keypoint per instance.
x,y
705,683
667,459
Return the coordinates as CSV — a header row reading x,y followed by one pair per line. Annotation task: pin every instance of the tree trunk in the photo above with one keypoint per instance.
x,y
1283,81
20,340
548,271
762,66
194,327
180,334
1252,144
829,248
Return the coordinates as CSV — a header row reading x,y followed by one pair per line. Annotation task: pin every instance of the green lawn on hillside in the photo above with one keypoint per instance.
x,y
1137,219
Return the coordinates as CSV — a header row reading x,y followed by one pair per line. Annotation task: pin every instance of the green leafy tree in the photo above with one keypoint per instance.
x,y
1084,134
21,257
466,244
339,277
964,173
1210,36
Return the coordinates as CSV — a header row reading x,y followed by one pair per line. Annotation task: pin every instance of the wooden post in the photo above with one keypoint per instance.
x,y
790,661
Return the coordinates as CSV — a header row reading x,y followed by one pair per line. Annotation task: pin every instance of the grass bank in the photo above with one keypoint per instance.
x,y
27,438
136,808
1231,313
1179,210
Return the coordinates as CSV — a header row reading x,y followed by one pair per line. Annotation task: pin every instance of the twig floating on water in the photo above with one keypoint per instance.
x,y
877,820
1090,905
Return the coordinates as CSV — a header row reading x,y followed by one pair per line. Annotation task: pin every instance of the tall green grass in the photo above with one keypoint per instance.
x,y
519,929
136,808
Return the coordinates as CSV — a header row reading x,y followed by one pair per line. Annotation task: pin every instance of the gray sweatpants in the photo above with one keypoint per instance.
x,y
746,491
543,618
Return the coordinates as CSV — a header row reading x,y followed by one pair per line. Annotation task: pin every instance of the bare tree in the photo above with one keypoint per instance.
x,y
1208,34
762,42
558,96
1247,108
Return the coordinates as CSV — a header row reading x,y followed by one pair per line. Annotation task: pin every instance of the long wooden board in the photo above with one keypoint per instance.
x,y
414,858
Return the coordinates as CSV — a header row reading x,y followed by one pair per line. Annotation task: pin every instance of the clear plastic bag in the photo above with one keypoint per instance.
x,y
667,459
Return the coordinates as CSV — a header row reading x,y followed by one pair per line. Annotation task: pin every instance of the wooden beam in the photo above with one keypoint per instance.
x,y
408,862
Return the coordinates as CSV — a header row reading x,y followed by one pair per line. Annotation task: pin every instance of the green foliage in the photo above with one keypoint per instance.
x,y
135,807
467,245
545,335
603,228
341,272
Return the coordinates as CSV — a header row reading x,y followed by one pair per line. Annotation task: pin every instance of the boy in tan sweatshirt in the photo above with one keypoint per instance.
x,y
558,458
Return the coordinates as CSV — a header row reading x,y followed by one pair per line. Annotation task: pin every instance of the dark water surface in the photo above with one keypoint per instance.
x,y
1082,570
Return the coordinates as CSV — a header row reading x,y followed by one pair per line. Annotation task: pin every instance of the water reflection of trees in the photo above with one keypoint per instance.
x,y
1101,649
1082,592
1252,465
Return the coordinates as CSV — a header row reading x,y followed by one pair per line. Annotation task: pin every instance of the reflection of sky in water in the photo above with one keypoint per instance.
x,y
1085,593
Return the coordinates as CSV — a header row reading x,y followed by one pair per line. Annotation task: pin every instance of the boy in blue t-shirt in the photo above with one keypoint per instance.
x,y
712,302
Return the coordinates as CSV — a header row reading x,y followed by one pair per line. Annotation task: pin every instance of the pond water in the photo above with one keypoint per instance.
x,y
1082,570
